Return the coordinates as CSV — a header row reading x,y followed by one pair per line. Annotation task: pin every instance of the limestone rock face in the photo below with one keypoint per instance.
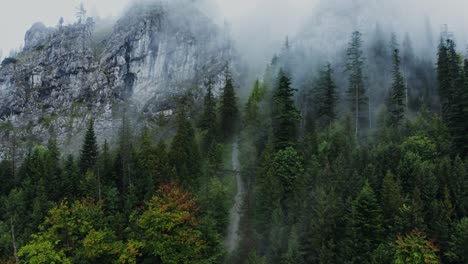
x,y
66,75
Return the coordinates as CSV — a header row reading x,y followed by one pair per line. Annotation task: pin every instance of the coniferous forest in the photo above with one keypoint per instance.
x,y
365,161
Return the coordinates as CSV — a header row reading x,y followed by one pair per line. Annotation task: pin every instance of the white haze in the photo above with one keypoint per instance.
x,y
259,27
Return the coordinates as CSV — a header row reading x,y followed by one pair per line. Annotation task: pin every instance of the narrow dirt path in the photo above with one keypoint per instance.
x,y
233,235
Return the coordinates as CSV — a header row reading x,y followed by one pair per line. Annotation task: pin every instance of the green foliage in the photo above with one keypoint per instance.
x,y
415,249
457,250
287,168
356,90
184,154
285,115
325,97
367,223
397,99
251,111
209,121
169,227
392,199
89,149
229,112
43,252
452,82
73,233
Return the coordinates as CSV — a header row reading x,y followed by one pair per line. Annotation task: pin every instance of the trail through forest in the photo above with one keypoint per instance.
x,y
233,235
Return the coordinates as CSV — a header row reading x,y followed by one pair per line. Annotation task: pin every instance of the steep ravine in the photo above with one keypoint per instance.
x,y
233,235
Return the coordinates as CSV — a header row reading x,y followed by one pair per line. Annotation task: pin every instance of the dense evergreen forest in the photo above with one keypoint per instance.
x,y
334,174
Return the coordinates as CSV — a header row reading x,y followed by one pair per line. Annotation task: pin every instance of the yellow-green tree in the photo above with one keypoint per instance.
x,y
414,248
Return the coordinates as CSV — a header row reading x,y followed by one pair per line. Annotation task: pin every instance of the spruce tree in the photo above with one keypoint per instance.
x,y
391,200
463,97
184,155
443,76
105,165
70,179
252,105
89,149
229,112
367,224
285,115
54,176
452,91
208,120
397,100
326,96
356,90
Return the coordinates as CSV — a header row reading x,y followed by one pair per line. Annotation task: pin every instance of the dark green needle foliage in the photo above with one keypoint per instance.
x,y
89,149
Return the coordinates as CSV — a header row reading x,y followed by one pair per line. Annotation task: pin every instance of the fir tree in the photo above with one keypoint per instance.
x,y
392,199
367,223
105,165
397,100
70,179
54,177
458,251
252,105
356,90
89,149
285,115
452,92
326,96
184,155
208,120
229,112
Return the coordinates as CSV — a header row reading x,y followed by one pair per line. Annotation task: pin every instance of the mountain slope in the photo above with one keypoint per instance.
x,y
66,74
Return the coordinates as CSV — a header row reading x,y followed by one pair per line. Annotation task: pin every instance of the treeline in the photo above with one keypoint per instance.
x,y
327,181
327,187
139,201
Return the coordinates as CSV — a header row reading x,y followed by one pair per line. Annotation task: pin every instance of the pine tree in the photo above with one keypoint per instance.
x,y
70,179
397,100
287,168
184,155
326,96
105,166
367,223
89,149
229,112
458,251
208,120
463,99
319,245
452,92
252,105
268,193
356,90
125,154
392,199
285,115
53,179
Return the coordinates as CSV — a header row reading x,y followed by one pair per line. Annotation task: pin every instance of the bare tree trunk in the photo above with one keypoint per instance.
x,y
15,248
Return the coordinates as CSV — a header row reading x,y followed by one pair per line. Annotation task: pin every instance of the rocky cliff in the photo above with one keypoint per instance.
x,y
65,75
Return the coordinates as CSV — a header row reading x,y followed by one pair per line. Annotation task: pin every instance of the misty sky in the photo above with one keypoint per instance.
x,y
18,15
259,27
